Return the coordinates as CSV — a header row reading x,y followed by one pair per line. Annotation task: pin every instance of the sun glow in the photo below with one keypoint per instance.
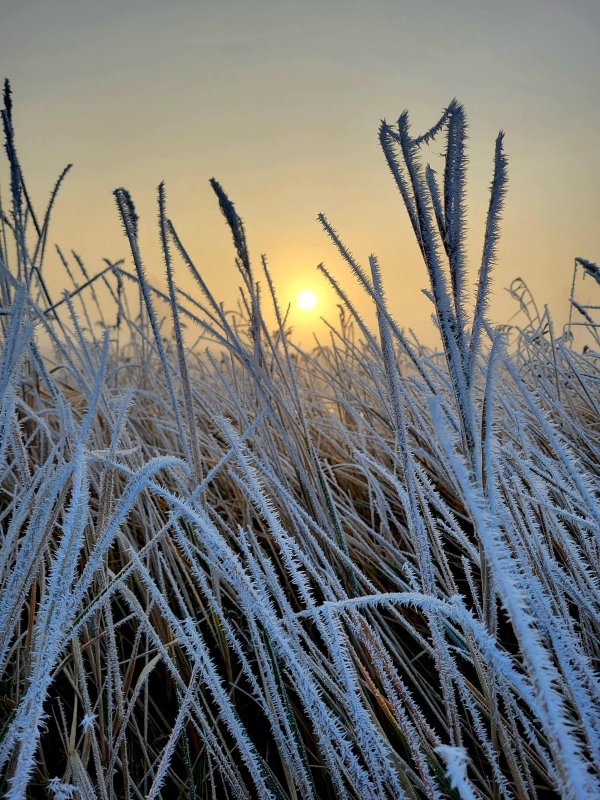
x,y
306,300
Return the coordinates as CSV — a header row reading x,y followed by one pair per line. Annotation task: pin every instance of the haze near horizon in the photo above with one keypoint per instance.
x,y
282,103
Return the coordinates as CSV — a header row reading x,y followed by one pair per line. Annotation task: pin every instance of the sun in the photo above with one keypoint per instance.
x,y
306,300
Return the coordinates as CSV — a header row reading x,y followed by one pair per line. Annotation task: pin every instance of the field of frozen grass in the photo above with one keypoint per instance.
x,y
243,570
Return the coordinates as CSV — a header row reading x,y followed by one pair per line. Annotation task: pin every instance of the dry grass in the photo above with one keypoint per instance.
x,y
366,571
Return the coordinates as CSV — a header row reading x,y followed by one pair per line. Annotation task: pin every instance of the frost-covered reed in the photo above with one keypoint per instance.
x,y
232,568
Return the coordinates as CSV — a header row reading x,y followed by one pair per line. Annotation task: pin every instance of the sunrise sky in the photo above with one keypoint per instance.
x,y
281,102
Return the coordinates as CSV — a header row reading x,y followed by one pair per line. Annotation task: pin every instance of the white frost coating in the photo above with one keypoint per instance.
x,y
251,570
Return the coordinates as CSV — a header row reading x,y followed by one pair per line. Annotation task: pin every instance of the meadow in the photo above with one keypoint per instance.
x,y
231,567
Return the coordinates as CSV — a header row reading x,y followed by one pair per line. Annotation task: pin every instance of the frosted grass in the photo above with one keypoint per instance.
x,y
233,568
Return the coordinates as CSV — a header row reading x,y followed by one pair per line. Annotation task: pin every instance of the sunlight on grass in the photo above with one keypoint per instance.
x,y
242,569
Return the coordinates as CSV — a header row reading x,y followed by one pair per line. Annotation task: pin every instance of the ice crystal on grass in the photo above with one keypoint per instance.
x,y
233,568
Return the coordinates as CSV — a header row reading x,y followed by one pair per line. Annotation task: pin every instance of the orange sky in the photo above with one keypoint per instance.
x,y
281,102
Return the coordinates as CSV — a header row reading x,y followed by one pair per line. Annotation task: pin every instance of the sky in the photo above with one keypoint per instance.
x,y
281,102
